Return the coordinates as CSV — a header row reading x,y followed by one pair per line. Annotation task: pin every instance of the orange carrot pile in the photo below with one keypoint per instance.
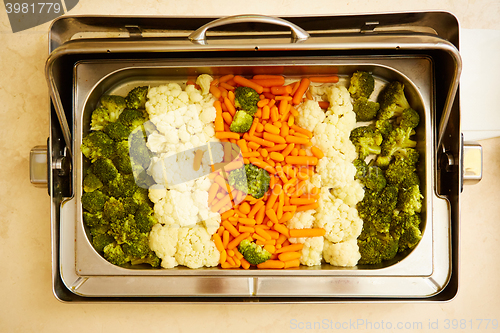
x,y
276,144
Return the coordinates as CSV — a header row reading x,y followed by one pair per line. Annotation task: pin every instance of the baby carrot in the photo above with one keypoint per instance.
x,y
263,233
274,138
229,88
297,139
302,208
286,216
302,130
228,119
302,201
245,208
229,106
261,164
235,242
286,256
302,160
246,221
212,191
283,90
324,79
292,263
244,228
218,242
225,238
271,264
272,215
270,128
276,147
317,152
324,105
215,91
291,248
281,228
245,264
268,76
315,232
230,228
266,112
255,139
255,208
276,156
219,120
247,83
259,217
297,97
226,78
227,135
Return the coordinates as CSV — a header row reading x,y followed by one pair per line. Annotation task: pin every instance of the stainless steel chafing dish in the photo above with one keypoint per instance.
x,y
91,56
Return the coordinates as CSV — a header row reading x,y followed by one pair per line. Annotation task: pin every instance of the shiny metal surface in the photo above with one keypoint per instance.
x,y
38,166
200,36
472,163
421,35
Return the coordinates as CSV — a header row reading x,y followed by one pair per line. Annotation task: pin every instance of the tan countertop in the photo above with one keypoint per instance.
x,y
26,300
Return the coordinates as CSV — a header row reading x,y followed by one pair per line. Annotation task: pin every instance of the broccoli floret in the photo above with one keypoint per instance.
x,y
122,158
253,253
410,199
117,131
251,180
246,99
258,181
409,118
402,171
388,199
97,145
398,139
94,201
374,178
369,205
365,110
101,237
136,98
144,218
91,183
408,230
139,248
381,221
139,152
141,196
114,254
99,119
129,205
150,259
241,123
374,249
133,118
385,127
122,186
93,220
105,170
125,230
392,101
366,140
114,104
113,210
361,169
362,85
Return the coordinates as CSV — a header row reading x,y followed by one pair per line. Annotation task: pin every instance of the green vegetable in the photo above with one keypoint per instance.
x,y
139,248
136,98
91,183
407,229
97,145
139,152
133,118
105,170
150,259
376,248
398,139
125,230
113,210
361,85
122,157
114,254
384,126
253,253
246,99
114,104
122,186
365,110
367,141
241,123
410,199
117,131
251,180
99,119
94,201
144,218
392,101
409,118
93,220
100,237
370,176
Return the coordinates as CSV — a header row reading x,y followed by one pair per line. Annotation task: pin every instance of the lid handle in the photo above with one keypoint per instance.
x,y
38,166
200,36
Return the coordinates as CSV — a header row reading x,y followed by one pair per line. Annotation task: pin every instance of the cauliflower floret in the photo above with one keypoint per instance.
x,y
310,114
335,171
177,208
156,193
163,241
340,101
345,254
341,222
350,194
311,253
195,248
204,81
302,220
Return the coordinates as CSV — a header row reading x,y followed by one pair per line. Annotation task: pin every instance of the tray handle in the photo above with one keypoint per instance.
x,y
200,35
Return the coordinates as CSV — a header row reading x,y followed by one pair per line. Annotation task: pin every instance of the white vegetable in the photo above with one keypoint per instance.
x,y
345,254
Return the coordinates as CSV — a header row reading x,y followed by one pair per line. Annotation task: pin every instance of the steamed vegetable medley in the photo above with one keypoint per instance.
x,y
265,171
